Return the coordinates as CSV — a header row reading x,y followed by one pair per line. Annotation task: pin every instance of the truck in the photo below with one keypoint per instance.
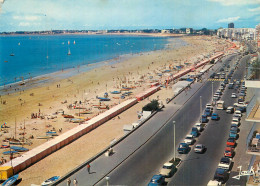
x,y
220,105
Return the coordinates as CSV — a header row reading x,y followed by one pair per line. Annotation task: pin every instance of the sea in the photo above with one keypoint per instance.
x,y
25,57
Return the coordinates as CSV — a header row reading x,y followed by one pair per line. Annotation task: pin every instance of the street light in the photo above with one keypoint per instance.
x,y
212,89
174,139
107,179
201,108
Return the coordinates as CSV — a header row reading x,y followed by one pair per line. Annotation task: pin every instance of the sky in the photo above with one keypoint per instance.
x,y
37,15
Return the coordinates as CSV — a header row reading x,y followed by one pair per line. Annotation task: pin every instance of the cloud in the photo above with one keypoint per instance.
x,y
26,18
255,9
236,2
227,20
24,24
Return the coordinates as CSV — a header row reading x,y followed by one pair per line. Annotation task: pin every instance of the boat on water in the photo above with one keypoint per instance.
x,y
69,53
74,42
10,181
19,43
50,180
12,54
5,61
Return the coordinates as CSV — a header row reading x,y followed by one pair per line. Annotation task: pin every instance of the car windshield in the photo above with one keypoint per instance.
x,y
230,140
224,160
198,147
167,167
188,137
227,151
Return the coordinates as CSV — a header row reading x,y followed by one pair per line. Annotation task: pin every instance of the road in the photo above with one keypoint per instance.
x,y
139,168
141,154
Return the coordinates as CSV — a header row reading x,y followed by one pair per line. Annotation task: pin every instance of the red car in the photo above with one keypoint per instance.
x,y
231,142
229,152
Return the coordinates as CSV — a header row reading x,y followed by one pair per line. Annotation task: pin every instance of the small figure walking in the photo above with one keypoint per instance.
x,y
68,182
75,182
88,167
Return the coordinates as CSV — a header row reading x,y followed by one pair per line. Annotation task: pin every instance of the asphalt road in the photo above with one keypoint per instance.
x,y
196,169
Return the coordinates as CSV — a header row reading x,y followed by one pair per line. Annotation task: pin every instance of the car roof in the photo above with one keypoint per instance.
x,y
156,177
224,158
189,135
168,164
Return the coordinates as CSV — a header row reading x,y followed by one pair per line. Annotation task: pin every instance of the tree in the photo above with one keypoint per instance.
x,y
154,105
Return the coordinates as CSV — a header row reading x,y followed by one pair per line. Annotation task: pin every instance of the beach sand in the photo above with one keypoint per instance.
x,y
137,71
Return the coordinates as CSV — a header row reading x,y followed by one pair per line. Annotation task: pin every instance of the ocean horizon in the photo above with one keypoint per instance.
x,y
31,56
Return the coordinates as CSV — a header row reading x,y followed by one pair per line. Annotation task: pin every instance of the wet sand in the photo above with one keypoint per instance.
x,y
137,72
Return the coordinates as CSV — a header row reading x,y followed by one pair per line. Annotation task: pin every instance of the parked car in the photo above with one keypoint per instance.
x,y
207,112
237,116
199,126
229,152
183,148
230,110
221,175
234,95
225,163
168,170
231,142
233,134
157,180
214,116
199,148
238,112
189,139
204,119
210,107
194,132
214,183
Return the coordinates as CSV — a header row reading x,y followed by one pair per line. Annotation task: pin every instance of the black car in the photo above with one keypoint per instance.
x,y
212,75
221,175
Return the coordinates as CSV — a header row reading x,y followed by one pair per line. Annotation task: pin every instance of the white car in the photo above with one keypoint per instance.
x,y
199,148
168,170
209,106
214,183
199,126
189,139
237,116
230,110
235,119
225,163
238,112
234,95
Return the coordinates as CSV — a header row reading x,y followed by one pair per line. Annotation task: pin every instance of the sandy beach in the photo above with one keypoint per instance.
x,y
80,91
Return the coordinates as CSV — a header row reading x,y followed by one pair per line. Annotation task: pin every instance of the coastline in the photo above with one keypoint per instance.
x,y
44,79
86,86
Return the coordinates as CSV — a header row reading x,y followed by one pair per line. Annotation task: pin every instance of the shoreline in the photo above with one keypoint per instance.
x,y
136,34
44,79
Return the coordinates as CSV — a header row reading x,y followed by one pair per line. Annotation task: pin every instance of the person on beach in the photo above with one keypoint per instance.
x,y
88,167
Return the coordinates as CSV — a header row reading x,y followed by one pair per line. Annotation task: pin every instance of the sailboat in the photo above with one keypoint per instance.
x,y
12,54
19,43
69,52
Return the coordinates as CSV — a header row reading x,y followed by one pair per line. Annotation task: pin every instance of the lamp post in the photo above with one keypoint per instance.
x,y
107,179
212,89
174,156
201,108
